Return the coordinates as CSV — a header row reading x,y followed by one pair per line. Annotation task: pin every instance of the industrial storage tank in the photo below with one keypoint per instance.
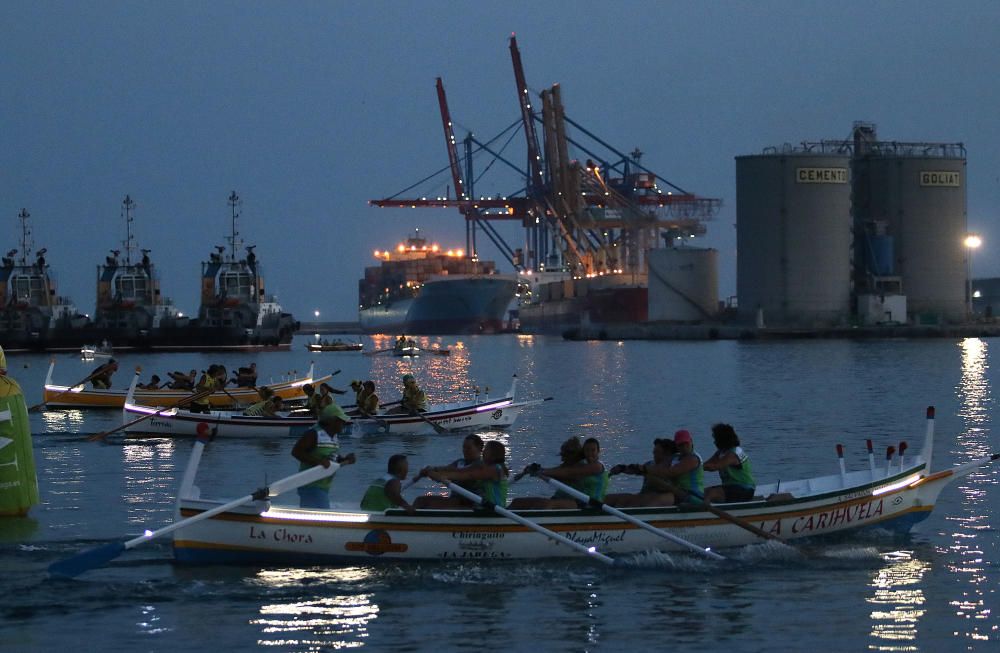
x,y
793,234
918,190
683,284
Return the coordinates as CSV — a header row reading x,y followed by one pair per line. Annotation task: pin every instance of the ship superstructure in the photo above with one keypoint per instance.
x,y
234,305
32,314
130,307
420,288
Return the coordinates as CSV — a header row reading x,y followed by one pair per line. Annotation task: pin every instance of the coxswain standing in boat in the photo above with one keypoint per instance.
x,y
684,473
386,491
101,377
400,343
318,446
472,456
733,465
490,477
414,400
654,491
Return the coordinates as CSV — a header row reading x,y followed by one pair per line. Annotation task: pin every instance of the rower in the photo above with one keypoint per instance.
x,y
368,401
386,491
472,456
587,474
359,388
101,378
246,377
182,381
266,408
685,471
654,491
490,477
154,384
206,384
414,400
733,465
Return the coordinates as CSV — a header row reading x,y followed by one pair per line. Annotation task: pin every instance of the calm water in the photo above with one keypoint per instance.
x,y
791,403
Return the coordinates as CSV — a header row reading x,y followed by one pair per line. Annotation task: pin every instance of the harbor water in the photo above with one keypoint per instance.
x,y
790,402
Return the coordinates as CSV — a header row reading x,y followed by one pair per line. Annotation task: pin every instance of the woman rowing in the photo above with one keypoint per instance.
x,y
733,465
654,491
581,468
472,456
490,477
683,472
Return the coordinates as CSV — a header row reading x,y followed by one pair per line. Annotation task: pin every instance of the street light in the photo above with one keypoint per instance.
x,y
972,242
316,313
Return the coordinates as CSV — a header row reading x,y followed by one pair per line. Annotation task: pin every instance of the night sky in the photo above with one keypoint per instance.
x,y
309,109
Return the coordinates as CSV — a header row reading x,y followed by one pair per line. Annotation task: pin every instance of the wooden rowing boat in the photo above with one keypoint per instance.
x,y
334,346
61,396
463,416
893,498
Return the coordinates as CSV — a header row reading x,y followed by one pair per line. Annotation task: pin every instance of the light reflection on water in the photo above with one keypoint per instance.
x,y
337,621
897,602
149,477
972,530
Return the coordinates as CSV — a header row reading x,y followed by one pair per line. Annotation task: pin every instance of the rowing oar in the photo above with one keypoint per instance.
x,y
439,352
584,498
440,430
101,555
38,407
718,512
377,351
552,535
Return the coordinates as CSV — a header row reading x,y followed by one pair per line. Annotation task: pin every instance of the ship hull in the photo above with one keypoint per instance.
x,y
585,306
467,305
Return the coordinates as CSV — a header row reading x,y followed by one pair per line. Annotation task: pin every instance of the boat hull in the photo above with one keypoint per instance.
x,y
262,533
466,305
173,422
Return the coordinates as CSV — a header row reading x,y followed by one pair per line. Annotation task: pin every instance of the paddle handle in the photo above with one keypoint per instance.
x,y
500,510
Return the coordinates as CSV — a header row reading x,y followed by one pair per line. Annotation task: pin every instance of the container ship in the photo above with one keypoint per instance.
x,y
235,312
421,289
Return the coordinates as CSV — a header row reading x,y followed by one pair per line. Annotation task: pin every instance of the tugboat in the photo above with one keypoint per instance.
x,y
235,311
420,288
130,308
32,315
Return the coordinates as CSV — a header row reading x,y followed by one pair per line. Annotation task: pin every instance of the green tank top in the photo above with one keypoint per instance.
x,y
256,410
692,481
495,491
327,446
742,475
595,486
375,499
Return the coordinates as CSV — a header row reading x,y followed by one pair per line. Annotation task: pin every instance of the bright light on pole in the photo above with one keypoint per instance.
x,y
972,242
316,313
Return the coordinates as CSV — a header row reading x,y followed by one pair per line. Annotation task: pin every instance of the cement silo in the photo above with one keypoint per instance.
x,y
793,233
683,284
918,191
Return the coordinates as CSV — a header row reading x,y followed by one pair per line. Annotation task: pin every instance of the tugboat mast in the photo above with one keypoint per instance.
x,y
234,240
26,241
128,206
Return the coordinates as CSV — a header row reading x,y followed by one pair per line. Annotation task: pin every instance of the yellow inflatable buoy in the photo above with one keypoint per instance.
x,y
18,482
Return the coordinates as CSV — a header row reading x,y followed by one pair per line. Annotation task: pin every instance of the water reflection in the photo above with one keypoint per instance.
x,y
337,621
897,602
972,520
149,477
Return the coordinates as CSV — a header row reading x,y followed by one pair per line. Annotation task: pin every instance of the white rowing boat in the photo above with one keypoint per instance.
x,y
894,497
462,416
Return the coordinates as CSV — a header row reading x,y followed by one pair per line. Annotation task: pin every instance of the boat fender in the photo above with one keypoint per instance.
x,y
18,481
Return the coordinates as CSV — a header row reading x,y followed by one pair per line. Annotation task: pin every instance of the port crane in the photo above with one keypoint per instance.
x,y
589,218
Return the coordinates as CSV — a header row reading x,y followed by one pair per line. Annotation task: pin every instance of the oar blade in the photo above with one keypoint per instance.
x,y
86,560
